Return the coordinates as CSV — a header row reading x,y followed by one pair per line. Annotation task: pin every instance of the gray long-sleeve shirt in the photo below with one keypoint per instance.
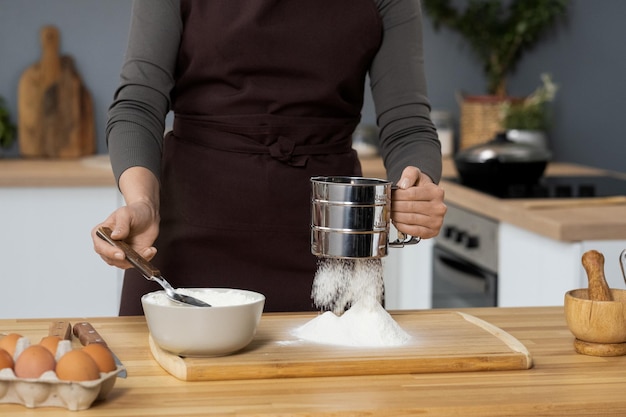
x,y
137,116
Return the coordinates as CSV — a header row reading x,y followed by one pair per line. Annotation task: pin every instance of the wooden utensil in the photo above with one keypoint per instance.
x,y
599,327
55,111
62,329
594,315
87,335
593,262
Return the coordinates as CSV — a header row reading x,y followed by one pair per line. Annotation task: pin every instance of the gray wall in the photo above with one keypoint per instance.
x,y
93,32
586,59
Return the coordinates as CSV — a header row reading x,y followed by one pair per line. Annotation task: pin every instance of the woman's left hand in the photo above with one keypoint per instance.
x,y
417,206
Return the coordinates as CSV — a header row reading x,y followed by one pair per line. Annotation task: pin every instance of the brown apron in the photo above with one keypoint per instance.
x,y
267,95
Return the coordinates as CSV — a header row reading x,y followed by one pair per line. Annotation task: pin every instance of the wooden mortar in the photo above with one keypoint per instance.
x,y
597,315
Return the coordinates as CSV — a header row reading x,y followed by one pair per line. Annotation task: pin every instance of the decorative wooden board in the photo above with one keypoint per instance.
x,y
55,110
442,341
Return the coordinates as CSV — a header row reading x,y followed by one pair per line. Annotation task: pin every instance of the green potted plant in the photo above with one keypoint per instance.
x,y
7,128
500,33
528,120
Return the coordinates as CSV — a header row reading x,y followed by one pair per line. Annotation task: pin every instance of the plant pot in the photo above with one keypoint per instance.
x,y
480,118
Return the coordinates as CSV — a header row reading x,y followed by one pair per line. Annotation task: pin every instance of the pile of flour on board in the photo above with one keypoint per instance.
x,y
356,284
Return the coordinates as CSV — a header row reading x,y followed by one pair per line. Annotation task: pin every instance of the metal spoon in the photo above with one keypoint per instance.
x,y
149,271
622,263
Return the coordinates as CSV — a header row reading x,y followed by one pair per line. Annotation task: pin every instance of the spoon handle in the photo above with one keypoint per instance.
x,y
138,261
622,263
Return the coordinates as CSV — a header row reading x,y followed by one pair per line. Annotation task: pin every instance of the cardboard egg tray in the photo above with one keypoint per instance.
x,y
49,391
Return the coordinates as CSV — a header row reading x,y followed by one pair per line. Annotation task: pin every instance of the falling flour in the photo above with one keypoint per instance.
x,y
339,283
355,285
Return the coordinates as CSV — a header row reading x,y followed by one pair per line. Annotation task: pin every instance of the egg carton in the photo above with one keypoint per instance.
x,y
49,391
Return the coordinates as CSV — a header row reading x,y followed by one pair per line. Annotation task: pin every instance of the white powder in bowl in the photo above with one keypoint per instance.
x,y
217,298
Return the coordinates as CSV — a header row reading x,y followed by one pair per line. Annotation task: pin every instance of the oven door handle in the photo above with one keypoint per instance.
x,y
463,266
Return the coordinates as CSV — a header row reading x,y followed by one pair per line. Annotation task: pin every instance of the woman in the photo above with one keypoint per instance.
x,y
266,94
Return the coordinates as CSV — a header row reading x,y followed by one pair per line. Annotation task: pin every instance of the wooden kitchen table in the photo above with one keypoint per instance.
x,y
560,383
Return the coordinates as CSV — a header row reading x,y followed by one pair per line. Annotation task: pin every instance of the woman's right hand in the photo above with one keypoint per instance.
x,y
136,223
133,224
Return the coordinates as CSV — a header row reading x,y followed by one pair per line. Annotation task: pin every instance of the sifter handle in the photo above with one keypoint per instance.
x,y
138,261
404,239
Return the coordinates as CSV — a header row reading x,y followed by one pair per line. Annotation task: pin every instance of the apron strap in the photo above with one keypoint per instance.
x,y
288,145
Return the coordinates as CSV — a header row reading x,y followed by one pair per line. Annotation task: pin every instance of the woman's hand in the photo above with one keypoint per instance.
x,y
137,223
417,206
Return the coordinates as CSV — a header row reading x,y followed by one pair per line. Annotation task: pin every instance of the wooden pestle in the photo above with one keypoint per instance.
x,y
593,262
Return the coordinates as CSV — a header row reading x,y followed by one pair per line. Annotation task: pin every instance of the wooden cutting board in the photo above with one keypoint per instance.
x,y
442,341
55,110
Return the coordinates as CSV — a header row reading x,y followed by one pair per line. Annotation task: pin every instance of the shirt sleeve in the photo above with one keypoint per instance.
x,y
407,134
136,118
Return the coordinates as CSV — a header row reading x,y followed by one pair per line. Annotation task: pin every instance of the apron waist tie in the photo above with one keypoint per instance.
x,y
278,144
283,150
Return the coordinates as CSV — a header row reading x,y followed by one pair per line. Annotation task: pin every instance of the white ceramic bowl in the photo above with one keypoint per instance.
x,y
228,326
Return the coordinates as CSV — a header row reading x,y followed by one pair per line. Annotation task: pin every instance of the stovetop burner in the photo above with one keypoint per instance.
x,y
555,187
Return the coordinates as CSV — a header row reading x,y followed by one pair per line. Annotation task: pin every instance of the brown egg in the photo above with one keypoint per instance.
x,y
6,360
50,343
34,361
77,365
9,341
102,356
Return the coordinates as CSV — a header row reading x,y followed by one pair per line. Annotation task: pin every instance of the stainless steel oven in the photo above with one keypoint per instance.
x,y
465,261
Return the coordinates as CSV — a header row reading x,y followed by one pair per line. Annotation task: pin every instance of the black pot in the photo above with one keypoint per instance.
x,y
501,163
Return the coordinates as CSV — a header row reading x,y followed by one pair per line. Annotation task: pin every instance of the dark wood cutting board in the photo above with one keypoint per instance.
x,y
55,110
442,341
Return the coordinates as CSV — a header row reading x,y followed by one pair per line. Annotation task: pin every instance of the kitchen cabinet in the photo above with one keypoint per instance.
x,y
541,242
539,251
537,271
408,276
47,264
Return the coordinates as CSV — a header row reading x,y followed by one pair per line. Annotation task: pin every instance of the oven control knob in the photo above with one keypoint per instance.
x,y
449,232
460,236
472,242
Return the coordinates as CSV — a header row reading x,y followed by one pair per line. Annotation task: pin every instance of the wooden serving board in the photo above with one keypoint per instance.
x,y
442,341
55,110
